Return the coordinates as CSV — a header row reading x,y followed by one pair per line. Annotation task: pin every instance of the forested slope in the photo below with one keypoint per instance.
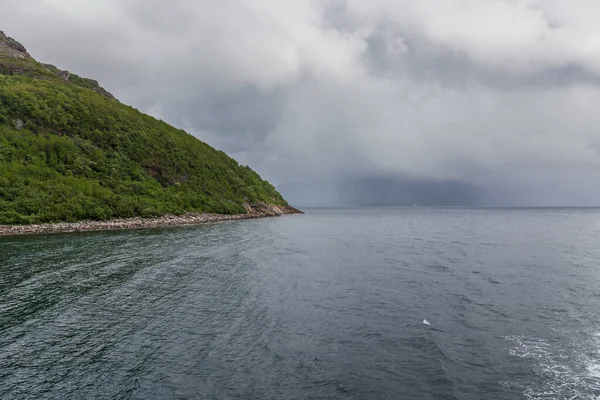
x,y
69,151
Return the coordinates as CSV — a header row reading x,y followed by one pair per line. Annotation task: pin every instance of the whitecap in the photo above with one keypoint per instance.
x,y
564,370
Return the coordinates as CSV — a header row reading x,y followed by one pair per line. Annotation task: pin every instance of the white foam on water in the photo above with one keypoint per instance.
x,y
425,322
528,347
594,369
564,372
593,360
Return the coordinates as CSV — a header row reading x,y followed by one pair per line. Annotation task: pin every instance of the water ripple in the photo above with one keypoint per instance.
x,y
329,305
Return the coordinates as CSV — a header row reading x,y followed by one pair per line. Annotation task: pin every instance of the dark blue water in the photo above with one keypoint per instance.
x,y
329,305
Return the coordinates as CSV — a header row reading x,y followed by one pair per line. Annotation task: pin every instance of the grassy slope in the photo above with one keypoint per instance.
x,y
82,155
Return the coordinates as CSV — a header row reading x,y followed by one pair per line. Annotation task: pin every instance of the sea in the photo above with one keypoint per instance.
x,y
348,303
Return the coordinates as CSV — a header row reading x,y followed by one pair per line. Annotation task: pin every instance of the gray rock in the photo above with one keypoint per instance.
x,y
12,48
258,210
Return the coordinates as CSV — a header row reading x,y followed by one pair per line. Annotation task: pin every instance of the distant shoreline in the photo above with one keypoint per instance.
x,y
256,211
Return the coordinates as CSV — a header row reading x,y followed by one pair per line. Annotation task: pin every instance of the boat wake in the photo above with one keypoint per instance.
x,y
564,372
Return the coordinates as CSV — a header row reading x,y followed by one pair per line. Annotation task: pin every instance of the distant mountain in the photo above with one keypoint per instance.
x,y
377,191
383,192
70,151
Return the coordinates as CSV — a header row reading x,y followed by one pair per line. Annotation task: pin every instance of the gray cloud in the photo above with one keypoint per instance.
x,y
486,92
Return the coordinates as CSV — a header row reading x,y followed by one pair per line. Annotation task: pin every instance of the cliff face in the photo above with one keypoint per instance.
x,y
69,152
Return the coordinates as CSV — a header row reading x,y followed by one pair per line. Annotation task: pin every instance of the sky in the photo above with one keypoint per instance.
x,y
486,92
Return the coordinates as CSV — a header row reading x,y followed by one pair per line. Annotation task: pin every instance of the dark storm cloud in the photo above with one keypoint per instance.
x,y
412,55
494,92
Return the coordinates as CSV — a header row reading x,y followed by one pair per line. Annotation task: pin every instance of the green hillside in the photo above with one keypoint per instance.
x,y
69,151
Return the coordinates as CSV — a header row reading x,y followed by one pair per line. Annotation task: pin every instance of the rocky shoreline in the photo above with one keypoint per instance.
x,y
254,211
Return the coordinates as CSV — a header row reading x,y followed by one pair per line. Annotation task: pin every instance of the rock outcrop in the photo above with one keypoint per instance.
x,y
9,47
77,80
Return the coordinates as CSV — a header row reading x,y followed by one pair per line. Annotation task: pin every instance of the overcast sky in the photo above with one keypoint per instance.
x,y
494,91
